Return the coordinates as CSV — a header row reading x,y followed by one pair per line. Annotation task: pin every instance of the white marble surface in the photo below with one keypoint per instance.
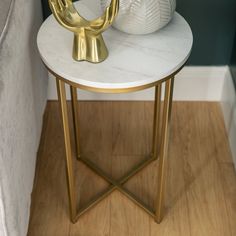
x,y
134,60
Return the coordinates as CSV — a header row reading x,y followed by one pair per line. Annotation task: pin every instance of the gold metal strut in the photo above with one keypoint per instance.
x,y
159,151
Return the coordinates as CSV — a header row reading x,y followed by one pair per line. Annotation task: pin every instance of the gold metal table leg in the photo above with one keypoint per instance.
x,y
69,162
163,149
74,103
159,151
156,121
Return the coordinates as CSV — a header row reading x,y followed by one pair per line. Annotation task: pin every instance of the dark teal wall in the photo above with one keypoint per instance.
x,y
213,25
46,9
233,61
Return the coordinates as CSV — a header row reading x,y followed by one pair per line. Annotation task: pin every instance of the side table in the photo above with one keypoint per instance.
x,y
135,63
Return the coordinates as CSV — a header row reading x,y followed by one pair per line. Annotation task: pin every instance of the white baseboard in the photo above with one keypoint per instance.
x,y
228,104
200,83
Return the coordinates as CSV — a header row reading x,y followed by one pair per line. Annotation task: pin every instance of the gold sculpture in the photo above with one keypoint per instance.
x,y
88,41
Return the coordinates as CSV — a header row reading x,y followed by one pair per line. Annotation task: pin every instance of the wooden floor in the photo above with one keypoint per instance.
x,y
201,180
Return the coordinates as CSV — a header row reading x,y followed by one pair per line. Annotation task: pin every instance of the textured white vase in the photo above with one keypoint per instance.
x,y
142,16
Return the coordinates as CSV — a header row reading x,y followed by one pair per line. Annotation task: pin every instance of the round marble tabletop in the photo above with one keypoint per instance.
x,y
134,61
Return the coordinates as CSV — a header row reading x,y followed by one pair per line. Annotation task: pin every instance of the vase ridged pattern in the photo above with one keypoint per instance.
x,y
142,16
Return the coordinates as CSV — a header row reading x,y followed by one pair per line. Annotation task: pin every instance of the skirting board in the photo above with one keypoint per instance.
x,y
228,104
200,83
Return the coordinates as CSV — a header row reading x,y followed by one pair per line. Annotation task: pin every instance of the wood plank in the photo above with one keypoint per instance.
x,y
219,134
228,176
96,144
127,218
95,121
50,202
94,222
205,198
196,150
132,128
132,132
176,218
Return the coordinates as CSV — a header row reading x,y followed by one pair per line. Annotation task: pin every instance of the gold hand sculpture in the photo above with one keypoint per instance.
x,y
88,41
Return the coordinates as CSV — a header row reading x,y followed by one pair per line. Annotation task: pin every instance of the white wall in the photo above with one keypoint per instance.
x,y
23,87
229,111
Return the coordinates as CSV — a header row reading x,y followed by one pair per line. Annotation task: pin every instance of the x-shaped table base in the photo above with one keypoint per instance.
x,y
116,185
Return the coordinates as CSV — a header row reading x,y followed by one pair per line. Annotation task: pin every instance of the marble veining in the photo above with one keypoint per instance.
x,y
134,60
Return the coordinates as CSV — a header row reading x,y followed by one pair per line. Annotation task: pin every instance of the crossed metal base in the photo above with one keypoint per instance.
x,y
116,185
159,152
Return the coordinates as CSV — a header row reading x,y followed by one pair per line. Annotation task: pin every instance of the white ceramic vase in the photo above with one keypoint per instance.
x,y
142,16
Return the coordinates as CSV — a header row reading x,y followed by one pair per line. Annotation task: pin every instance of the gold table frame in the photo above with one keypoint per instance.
x,y
159,145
